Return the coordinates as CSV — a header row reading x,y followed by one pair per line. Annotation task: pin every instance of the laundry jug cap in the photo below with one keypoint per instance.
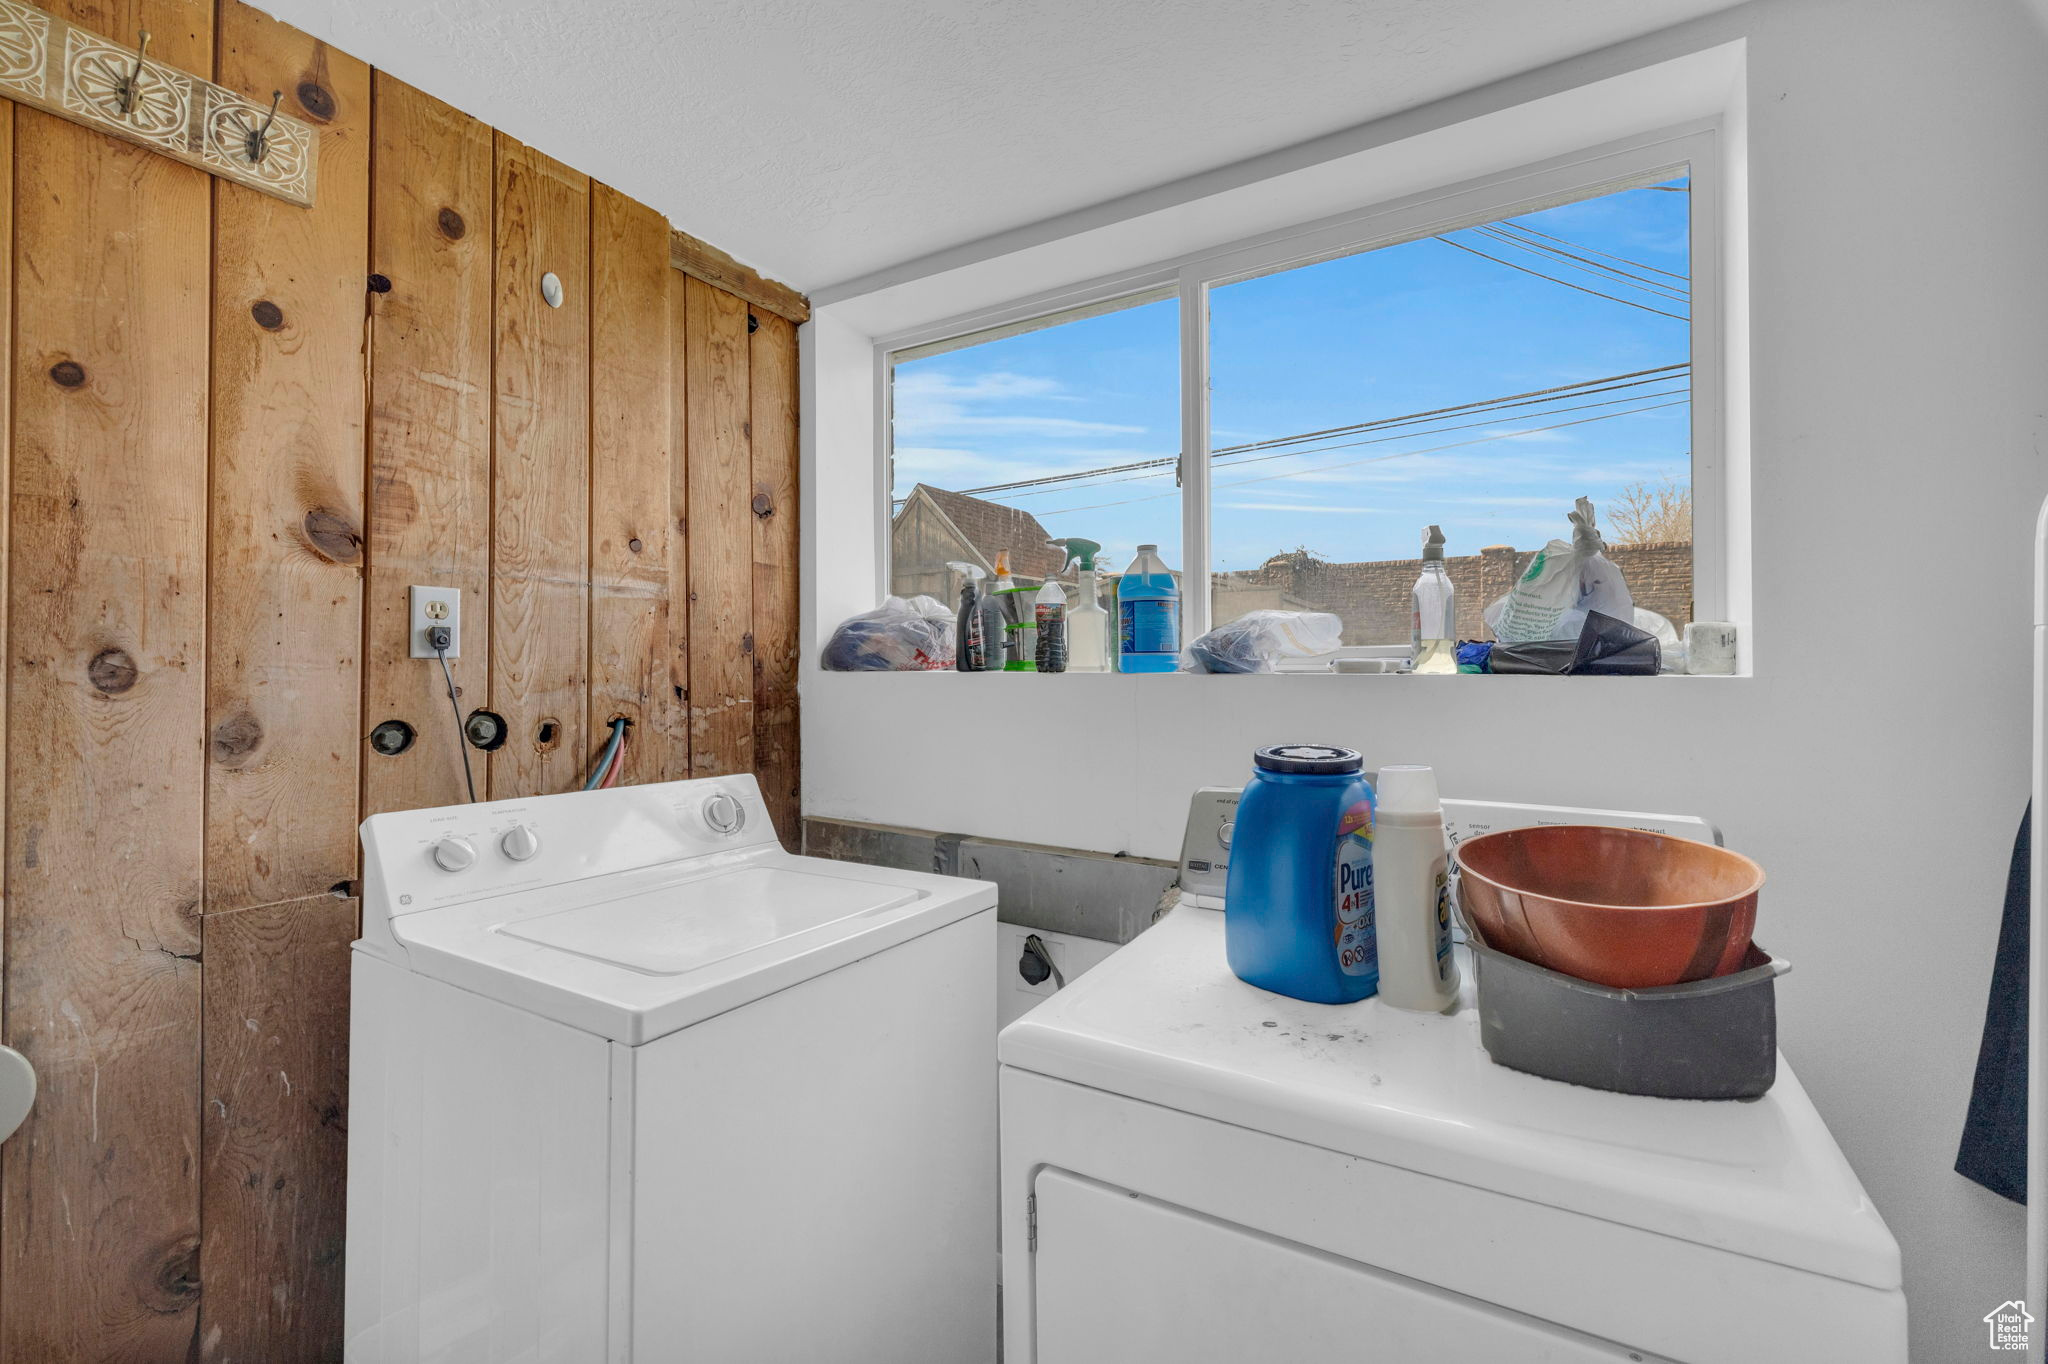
x,y
1309,759
1406,789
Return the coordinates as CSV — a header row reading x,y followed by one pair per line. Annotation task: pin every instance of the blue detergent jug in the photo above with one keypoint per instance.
x,y
1298,917
1148,615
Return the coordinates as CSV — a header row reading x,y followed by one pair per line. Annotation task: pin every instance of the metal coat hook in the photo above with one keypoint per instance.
x,y
259,137
131,84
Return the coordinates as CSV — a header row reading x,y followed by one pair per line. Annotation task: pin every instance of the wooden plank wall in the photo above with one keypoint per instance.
x,y
236,432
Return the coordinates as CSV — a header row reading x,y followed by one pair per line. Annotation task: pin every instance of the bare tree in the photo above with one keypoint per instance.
x,y
1651,513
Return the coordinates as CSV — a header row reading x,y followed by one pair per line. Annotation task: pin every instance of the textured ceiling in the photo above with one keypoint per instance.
x,y
820,140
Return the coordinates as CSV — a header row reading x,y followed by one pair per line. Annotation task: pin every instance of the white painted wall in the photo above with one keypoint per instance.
x,y
1876,763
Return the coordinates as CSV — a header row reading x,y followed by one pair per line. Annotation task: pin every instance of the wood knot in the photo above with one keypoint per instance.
x,y
380,284
236,737
112,671
334,535
764,506
451,224
634,544
267,314
171,1276
747,643
67,374
316,100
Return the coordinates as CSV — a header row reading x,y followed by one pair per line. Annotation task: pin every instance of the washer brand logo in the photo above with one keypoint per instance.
x,y
2007,1325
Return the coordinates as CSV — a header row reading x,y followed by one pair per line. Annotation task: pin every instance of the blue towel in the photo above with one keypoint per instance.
x,y
1994,1149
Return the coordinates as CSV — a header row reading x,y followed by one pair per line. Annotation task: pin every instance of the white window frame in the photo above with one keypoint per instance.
x,y
1695,147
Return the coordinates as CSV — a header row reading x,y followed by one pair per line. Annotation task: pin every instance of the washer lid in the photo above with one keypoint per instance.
x,y
634,955
1164,1021
680,927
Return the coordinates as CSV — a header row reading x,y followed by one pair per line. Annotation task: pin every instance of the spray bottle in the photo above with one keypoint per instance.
x,y
1018,652
1087,622
979,625
1435,631
1049,612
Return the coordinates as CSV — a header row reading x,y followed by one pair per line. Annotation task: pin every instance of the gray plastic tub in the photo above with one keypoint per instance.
x,y
1707,1039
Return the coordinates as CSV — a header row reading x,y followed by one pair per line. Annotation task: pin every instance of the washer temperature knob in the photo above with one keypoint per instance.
x,y
454,854
519,843
724,814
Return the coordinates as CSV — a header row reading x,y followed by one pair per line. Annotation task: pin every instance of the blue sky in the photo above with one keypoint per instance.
x,y
1404,329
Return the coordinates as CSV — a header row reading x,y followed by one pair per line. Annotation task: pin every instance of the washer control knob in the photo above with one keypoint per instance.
x,y
724,814
519,843
454,854
1224,831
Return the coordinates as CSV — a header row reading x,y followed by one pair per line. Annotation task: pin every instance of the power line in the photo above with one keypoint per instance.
x,y
1520,226
1381,440
1583,388
1676,317
1579,389
1379,459
1585,265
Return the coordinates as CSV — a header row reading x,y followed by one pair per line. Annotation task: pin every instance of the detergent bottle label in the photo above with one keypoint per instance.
x,y
1150,625
1443,926
1357,943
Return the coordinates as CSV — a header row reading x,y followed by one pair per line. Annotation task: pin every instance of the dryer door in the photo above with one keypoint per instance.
x,y
1125,1277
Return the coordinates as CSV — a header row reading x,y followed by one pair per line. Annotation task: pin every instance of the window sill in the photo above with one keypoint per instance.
x,y
1099,679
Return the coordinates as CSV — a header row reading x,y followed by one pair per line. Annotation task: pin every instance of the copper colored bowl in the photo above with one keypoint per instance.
x,y
1618,907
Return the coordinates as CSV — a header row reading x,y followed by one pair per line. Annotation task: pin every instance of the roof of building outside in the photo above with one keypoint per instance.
x,y
991,527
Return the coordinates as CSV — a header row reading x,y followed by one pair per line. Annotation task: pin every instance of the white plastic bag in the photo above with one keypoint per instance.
x,y
898,636
1562,583
1257,640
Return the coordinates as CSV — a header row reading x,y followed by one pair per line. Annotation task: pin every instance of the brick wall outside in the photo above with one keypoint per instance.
x,y
1373,599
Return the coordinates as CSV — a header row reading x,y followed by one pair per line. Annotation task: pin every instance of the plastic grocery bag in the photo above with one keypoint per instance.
x,y
1563,583
914,635
1257,640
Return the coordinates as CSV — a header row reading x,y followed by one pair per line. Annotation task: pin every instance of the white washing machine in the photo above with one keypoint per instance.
x,y
631,1083
1195,1170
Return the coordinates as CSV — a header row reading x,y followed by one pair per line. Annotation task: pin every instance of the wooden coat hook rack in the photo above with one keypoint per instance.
x,y
56,66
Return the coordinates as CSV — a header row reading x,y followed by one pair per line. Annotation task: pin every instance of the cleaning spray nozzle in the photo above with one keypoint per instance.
x,y
1078,549
973,571
1433,543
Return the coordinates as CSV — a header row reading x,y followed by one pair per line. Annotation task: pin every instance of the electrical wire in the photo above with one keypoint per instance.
x,y
1585,265
1379,459
1584,388
1676,317
455,707
1381,440
609,757
1520,226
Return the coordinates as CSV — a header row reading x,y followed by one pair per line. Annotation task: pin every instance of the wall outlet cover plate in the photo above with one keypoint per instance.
x,y
432,606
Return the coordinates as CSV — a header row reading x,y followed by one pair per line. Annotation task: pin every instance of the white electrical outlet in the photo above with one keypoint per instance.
x,y
433,607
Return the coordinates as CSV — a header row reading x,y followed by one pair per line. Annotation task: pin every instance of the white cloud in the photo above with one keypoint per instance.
x,y
1014,423
936,385
935,403
1320,508
1533,435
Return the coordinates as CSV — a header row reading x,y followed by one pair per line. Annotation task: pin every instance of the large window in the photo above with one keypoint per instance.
x,y
1475,360
1004,441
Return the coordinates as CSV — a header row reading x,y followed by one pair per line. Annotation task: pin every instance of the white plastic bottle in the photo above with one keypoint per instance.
x,y
1411,863
1088,646
1436,610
